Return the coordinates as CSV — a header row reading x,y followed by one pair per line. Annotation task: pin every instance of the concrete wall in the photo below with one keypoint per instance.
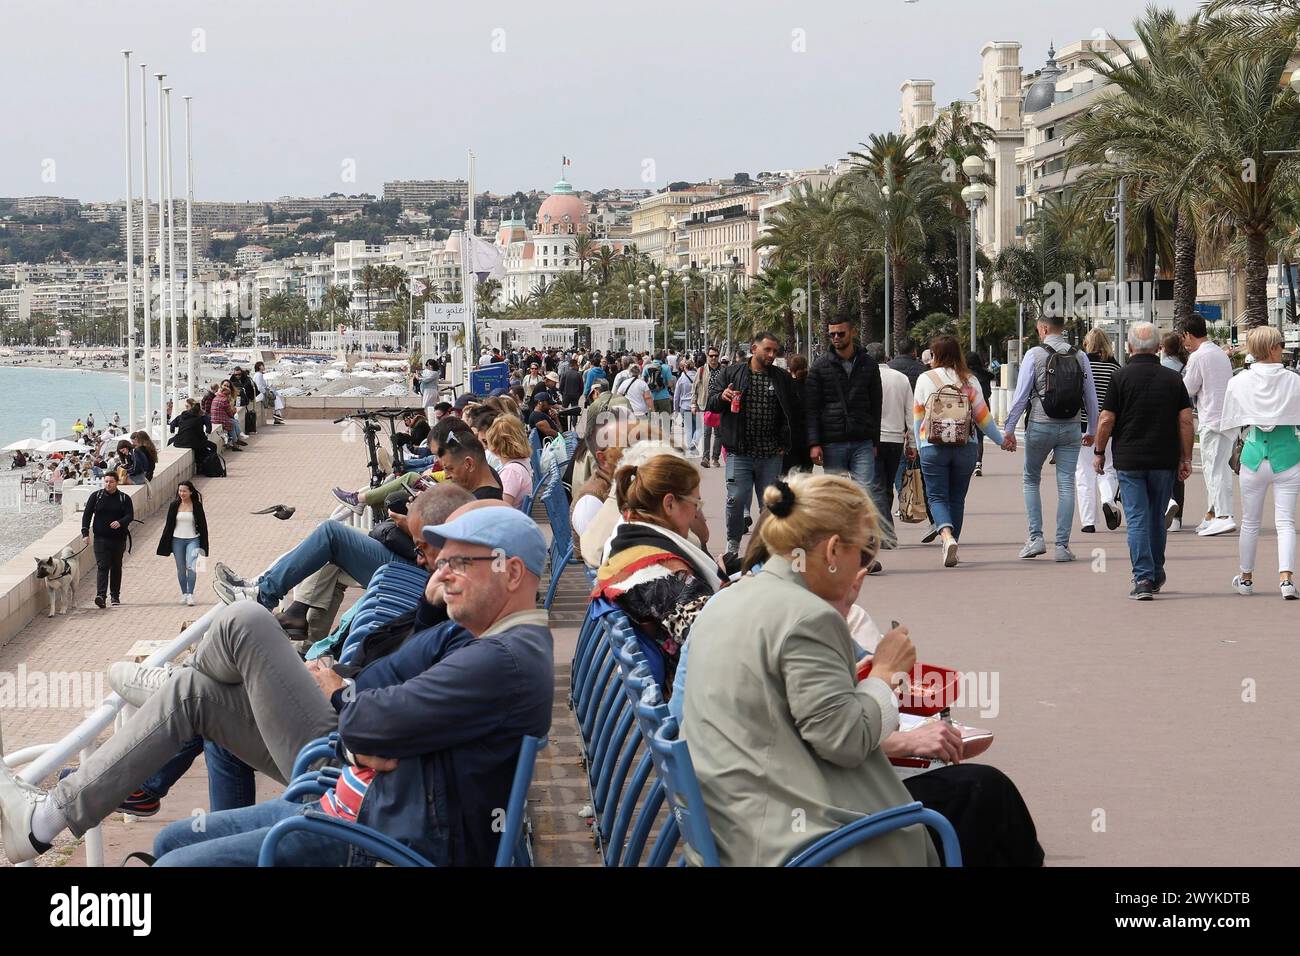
x,y
332,406
23,596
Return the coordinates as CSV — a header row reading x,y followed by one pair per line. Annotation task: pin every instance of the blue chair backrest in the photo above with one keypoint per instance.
x,y
512,837
557,513
682,790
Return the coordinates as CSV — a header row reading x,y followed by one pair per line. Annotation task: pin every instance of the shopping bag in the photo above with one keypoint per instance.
x,y
911,499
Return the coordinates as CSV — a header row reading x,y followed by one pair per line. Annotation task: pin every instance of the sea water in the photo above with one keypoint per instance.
x,y
45,403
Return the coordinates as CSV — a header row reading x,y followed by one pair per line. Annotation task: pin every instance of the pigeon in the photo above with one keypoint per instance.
x,y
283,512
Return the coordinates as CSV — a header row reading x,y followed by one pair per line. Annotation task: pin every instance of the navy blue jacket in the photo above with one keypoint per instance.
x,y
451,709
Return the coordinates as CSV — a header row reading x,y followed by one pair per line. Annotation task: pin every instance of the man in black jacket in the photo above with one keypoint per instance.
x,y
907,363
110,512
756,403
843,395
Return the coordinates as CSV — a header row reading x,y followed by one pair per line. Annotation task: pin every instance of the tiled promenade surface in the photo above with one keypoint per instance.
x,y
1138,733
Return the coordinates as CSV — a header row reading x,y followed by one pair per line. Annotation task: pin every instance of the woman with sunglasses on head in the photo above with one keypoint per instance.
x,y
651,569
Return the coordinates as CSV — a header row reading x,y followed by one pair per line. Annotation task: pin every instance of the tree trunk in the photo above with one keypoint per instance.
x,y
962,297
1256,279
788,315
899,268
864,301
1290,284
1149,248
1184,269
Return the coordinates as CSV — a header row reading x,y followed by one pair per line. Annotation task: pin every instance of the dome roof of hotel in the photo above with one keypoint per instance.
x,y
1042,94
562,208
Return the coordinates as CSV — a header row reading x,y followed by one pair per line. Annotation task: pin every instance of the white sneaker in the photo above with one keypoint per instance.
x,y
1175,525
1205,523
1288,590
18,802
1244,588
950,553
185,599
135,683
230,593
1218,526
189,600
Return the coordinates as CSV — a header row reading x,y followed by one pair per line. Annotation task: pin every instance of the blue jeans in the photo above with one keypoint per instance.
x,y
855,458
1145,495
231,783
746,477
186,552
947,470
1041,439
331,543
691,424
234,838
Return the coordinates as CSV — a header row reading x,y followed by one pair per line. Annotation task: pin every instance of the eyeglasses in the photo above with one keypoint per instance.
x,y
459,564
698,502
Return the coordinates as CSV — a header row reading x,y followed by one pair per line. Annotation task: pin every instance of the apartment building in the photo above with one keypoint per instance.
x,y
654,221
420,193
720,233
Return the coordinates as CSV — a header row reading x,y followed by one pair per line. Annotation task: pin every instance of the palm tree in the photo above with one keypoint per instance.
x,y
949,140
584,247
603,262
905,200
370,280
804,233
772,301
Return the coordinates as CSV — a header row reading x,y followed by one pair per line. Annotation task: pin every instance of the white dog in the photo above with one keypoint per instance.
x,y
60,576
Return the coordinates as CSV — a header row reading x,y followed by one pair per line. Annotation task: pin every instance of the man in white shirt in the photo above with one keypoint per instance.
x,y
672,360
896,399
638,394
1206,377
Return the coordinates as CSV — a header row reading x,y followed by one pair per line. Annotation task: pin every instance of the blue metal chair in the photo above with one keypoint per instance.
x,y
512,850
557,513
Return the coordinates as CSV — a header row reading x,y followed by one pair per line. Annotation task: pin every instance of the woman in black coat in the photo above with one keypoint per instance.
x,y
185,536
985,378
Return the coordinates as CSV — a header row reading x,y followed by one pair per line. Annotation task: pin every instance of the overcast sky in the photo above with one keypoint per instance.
x,y
287,92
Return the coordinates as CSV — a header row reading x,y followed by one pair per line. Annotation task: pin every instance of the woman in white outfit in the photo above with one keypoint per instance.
x,y
1086,480
1264,402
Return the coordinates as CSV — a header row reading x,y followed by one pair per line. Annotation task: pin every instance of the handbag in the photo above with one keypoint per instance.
x,y
712,419
1234,462
911,499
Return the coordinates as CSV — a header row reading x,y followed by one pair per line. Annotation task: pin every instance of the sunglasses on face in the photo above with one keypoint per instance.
x,y
838,335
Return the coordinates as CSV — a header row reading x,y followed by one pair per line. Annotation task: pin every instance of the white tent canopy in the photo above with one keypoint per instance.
x,y
24,444
62,444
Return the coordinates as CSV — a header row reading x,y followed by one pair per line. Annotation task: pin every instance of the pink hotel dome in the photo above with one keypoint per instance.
x,y
562,203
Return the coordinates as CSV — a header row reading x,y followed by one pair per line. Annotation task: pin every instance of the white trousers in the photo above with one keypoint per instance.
x,y
1286,486
1216,453
1087,483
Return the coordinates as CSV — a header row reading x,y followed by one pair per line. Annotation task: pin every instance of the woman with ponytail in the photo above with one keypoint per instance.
x,y
651,569
778,725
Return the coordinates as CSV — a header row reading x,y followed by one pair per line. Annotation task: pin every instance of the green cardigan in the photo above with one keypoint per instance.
x,y
1281,447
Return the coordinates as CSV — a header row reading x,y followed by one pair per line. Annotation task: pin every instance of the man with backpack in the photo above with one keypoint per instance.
x,y
1055,385
660,380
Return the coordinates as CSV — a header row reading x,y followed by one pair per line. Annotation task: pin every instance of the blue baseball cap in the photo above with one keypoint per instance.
x,y
502,529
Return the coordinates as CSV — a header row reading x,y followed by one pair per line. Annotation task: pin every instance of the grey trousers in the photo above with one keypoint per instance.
x,y
323,592
246,690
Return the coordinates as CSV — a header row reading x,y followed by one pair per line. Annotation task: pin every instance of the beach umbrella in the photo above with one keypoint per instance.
x,y
25,444
62,444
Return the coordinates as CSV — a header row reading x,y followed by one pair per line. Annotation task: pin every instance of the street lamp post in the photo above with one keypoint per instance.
x,y
664,286
686,306
631,290
974,196
889,329
595,302
730,272
1121,279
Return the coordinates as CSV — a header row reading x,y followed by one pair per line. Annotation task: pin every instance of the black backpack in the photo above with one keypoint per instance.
x,y
654,377
212,465
1063,395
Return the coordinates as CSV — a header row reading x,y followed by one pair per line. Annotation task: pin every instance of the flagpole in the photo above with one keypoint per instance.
x,y
130,254
171,258
189,252
163,255
147,374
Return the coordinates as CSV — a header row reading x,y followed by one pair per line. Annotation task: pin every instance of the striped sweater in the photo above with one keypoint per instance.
x,y
930,382
1103,370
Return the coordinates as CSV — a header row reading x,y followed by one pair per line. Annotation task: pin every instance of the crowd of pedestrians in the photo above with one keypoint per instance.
x,y
756,641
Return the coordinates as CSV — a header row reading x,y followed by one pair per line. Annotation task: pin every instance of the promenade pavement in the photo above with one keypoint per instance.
x,y
1138,733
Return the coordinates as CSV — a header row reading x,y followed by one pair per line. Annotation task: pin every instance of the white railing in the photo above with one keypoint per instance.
x,y
40,760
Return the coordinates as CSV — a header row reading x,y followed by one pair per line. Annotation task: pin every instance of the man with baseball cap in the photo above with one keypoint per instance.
x,y
543,417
